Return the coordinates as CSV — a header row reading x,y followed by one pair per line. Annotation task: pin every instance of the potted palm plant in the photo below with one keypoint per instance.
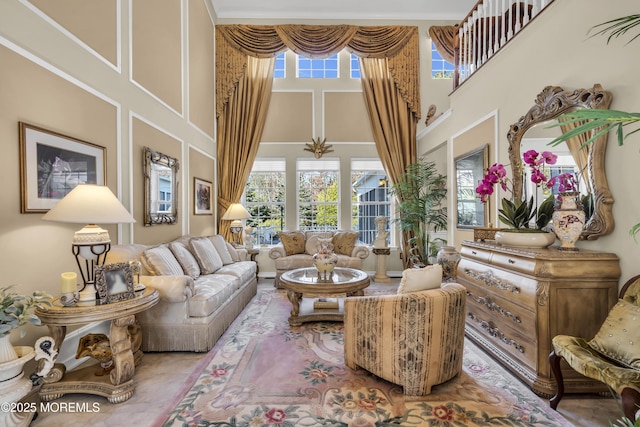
x,y
420,192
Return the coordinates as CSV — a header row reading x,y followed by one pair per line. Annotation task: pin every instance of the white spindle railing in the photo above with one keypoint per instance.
x,y
488,27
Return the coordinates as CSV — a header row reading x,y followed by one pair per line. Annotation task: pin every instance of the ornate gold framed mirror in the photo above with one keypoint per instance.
x,y
160,188
589,161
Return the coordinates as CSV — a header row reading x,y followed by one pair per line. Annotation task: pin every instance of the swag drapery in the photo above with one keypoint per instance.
x,y
389,59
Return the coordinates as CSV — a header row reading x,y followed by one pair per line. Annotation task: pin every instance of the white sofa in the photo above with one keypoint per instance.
x,y
296,249
203,282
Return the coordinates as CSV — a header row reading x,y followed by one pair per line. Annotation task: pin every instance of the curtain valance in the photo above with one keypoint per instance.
x,y
398,44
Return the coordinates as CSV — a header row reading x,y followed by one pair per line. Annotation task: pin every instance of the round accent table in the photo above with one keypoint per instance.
x,y
314,299
125,337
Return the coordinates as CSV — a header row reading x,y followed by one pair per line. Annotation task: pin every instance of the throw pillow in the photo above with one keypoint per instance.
x,y
160,261
186,259
234,254
344,242
206,255
619,335
293,242
221,246
420,279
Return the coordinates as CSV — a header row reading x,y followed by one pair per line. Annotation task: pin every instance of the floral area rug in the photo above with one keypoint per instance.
x,y
262,372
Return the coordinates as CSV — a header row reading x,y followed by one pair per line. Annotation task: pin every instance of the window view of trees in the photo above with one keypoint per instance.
x,y
318,200
265,200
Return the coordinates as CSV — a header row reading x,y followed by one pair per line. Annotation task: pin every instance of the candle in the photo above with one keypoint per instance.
x,y
69,282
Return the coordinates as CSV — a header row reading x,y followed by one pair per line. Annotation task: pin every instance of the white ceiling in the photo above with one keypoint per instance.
x,y
343,9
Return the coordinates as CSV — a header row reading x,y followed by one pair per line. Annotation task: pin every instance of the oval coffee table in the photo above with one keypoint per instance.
x,y
314,299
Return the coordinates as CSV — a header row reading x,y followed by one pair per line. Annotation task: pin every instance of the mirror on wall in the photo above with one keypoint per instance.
x,y
160,188
532,132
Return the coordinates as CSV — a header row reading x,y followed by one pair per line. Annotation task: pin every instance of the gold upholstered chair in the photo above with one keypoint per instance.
x,y
412,339
612,356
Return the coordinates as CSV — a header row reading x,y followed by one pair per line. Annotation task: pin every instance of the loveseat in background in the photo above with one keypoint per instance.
x,y
296,250
203,282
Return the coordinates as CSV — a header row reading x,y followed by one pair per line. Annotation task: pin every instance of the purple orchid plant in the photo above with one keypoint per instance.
x,y
519,213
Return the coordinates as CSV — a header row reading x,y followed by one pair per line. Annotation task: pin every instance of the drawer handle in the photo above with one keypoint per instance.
x,y
492,306
474,253
493,330
510,261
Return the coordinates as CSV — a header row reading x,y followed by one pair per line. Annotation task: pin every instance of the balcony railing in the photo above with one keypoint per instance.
x,y
486,29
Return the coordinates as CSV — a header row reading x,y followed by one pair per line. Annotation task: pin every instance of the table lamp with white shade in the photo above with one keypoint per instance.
x,y
236,213
90,204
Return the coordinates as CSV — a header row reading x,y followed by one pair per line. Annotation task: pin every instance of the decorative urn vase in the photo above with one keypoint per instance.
x,y
568,221
325,260
448,258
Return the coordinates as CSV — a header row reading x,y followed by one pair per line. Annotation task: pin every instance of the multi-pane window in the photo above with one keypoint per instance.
x,y
440,68
264,198
309,68
370,189
318,194
354,66
164,192
279,72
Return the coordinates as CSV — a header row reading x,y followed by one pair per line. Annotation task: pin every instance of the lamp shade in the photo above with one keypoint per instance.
x,y
89,204
235,211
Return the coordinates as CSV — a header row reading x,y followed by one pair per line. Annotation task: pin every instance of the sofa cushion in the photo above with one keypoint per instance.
x,y
420,279
243,270
293,241
206,254
211,292
221,247
160,261
344,242
186,259
619,335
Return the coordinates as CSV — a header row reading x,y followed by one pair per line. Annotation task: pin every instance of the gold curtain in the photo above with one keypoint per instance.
x,y
392,122
443,38
580,155
391,86
240,128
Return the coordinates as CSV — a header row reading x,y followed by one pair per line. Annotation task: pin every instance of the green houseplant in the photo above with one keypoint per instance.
x,y
599,122
420,192
17,310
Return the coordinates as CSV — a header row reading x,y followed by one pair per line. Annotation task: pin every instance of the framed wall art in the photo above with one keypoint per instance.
x,y
52,164
114,282
470,167
203,191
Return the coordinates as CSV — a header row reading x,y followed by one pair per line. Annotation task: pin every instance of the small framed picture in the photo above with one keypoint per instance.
x,y
52,164
114,282
203,192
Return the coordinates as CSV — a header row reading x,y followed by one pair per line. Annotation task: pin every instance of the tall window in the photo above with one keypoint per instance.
x,y
318,68
440,68
264,198
318,194
370,197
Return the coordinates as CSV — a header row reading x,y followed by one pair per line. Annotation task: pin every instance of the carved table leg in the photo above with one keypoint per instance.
x,y
58,370
124,366
295,298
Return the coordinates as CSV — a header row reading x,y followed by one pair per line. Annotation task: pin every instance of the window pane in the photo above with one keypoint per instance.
x,y
279,70
318,207
370,197
440,69
355,67
318,68
264,198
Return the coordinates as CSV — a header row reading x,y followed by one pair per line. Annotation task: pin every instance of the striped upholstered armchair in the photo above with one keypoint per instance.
x,y
414,340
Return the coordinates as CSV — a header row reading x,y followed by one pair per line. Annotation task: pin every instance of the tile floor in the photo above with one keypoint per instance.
x,y
160,376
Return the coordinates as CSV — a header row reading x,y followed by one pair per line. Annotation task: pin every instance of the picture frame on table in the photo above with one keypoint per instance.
x,y
52,164
114,282
202,196
470,169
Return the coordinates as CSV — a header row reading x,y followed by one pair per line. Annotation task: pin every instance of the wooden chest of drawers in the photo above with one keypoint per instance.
x,y
519,299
